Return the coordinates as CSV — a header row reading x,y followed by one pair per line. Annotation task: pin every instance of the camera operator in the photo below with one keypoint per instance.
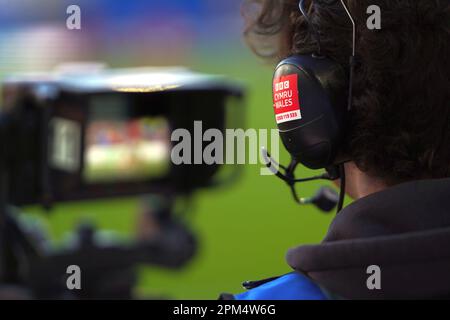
x,y
397,146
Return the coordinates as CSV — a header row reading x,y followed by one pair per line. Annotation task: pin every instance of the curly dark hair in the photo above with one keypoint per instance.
x,y
400,128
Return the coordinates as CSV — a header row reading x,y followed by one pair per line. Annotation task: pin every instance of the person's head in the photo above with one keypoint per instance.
x,y
400,121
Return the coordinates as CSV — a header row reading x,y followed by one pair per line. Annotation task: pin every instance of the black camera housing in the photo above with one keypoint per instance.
x,y
32,104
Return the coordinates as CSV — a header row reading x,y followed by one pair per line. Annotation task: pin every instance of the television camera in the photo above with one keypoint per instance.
x,y
83,135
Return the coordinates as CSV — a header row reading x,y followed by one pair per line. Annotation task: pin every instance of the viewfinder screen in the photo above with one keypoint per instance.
x,y
123,148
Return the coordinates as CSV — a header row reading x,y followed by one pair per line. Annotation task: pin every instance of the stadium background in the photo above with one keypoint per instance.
x,y
244,230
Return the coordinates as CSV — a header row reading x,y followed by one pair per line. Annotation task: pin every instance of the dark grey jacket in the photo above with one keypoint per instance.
x,y
405,230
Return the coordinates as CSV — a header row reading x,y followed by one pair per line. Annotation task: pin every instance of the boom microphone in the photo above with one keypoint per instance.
x,y
325,199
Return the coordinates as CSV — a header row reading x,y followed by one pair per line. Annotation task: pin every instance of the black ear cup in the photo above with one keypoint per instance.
x,y
310,104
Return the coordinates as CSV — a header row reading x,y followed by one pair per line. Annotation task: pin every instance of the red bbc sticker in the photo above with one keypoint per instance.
x,y
286,102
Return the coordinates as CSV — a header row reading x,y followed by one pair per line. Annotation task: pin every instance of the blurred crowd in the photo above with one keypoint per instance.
x,y
33,34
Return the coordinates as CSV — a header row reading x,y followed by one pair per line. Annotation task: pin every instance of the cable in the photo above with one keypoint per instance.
x,y
352,58
316,33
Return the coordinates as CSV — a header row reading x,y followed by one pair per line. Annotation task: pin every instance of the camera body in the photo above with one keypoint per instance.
x,y
85,135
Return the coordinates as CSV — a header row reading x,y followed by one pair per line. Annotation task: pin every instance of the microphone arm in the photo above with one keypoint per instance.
x,y
326,198
288,177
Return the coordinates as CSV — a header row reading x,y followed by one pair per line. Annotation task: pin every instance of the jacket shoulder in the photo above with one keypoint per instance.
x,y
291,286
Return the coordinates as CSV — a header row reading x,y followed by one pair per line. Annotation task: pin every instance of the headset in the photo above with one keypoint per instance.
x,y
312,100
